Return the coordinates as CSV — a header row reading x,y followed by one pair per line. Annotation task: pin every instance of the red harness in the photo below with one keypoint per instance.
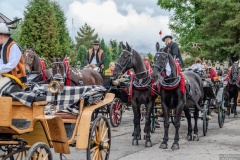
x,y
44,73
152,84
68,77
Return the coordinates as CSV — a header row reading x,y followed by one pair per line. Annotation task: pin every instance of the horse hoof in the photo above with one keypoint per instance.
x,y
148,144
134,142
163,146
195,137
189,138
175,146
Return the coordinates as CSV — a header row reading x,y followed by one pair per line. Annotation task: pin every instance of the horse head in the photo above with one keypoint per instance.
x,y
124,61
29,58
235,72
160,61
58,66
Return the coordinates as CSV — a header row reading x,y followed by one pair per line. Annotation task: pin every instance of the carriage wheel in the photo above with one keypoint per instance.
x,y
94,114
99,142
221,112
19,154
205,117
115,113
39,151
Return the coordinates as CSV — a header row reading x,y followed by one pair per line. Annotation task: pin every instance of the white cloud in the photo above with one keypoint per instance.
x,y
134,21
139,29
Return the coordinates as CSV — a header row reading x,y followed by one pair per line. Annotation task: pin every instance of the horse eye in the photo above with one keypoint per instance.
x,y
31,56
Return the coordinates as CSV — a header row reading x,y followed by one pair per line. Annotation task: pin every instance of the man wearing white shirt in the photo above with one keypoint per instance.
x,y
95,57
11,59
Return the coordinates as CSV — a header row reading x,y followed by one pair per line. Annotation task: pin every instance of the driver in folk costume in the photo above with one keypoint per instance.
x,y
11,59
95,57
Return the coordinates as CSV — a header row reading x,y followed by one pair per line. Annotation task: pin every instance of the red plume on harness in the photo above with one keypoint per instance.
x,y
44,74
68,77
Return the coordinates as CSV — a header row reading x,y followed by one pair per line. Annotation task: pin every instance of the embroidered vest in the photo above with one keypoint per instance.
x,y
100,52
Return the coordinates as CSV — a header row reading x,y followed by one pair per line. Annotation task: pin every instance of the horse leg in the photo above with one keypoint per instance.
x,y
149,108
136,122
188,116
227,103
235,105
179,110
196,116
165,109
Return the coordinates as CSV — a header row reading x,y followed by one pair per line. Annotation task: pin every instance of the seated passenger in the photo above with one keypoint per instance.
x,y
110,70
211,73
197,64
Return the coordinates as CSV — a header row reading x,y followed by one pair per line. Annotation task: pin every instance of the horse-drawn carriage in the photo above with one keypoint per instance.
x,y
27,133
121,101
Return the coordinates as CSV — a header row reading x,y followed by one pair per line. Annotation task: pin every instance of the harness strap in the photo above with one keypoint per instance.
x,y
44,73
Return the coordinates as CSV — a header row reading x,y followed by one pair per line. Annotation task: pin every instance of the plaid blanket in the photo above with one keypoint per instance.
x,y
27,97
67,100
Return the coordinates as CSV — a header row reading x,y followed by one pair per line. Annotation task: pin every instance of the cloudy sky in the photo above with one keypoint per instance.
x,y
137,22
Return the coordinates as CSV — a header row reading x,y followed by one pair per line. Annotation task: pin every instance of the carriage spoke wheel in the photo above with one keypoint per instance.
x,y
18,154
205,117
221,112
99,142
116,110
39,151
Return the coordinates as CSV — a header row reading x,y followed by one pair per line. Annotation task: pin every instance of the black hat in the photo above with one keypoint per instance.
x,y
167,36
96,42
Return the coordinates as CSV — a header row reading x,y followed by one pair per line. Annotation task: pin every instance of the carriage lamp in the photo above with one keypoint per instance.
x,y
57,84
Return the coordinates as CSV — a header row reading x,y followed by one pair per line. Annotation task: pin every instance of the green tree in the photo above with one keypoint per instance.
x,y
107,53
221,29
63,37
150,57
81,55
86,36
39,28
184,22
115,49
16,32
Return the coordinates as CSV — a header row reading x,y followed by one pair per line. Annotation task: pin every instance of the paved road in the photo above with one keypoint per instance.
x,y
218,141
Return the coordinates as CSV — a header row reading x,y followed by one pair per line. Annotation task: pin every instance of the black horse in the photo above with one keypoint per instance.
x,y
177,93
231,90
130,59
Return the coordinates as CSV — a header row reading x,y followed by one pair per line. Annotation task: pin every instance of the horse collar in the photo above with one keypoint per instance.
x,y
140,83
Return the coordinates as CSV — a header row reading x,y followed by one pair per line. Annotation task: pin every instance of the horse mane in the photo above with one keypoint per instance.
x,y
139,61
36,64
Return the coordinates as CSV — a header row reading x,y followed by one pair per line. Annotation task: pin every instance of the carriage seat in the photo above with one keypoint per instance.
x,y
65,115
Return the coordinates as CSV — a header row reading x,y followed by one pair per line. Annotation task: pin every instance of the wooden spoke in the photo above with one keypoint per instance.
x,y
95,155
104,134
97,143
34,156
94,148
40,154
45,157
17,156
100,129
107,140
96,134
105,150
100,155
103,126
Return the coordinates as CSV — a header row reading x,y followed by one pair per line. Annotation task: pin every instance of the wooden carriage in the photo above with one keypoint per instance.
x,y
26,133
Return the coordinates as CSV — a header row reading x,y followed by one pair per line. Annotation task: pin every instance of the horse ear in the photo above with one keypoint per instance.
x,y
25,47
34,47
157,46
128,47
123,46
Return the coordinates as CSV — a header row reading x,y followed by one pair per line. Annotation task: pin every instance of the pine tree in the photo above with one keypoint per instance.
x,y
39,29
115,49
81,55
62,31
86,36
107,53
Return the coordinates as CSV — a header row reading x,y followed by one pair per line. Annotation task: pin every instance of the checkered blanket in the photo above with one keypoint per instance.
x,y
67,100
27,97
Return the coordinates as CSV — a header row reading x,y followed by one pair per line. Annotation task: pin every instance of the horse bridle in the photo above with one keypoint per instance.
x,y
163,65
234,72
30,65
58,70
129,60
